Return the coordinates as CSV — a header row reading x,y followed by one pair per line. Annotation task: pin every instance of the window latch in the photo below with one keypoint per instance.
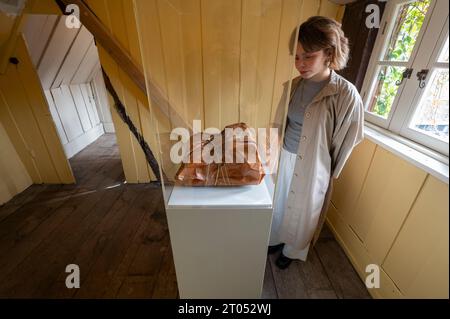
x,y
406,75
422,76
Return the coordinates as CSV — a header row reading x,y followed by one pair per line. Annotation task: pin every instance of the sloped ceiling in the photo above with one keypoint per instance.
x,y
62,56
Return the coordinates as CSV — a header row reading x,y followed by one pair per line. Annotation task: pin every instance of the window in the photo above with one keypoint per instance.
x,y
406,86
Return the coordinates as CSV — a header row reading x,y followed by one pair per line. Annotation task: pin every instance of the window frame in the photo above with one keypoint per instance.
x,y
430,40
432,65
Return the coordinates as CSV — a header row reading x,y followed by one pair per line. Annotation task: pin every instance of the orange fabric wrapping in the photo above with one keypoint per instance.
x,y
250,172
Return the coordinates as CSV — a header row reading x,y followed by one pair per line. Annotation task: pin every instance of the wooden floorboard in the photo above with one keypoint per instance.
x,y
166,284
20,200
343,277
139,270
56,251
91,247
317,283
129,216
327,274
117,234
269,289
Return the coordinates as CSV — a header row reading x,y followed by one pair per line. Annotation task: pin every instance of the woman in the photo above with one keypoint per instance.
x,y
325,122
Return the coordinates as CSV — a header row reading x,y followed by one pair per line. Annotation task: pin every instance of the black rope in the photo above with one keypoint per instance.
x,y
127,120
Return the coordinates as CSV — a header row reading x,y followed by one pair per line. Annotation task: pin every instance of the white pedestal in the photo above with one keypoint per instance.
x,y
219,239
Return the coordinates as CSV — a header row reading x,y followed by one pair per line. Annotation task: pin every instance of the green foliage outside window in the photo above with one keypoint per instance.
x,y
409,22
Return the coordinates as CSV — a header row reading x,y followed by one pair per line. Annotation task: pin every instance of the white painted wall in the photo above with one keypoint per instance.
x,y
102,102
54,55
37,32
75,116
14,177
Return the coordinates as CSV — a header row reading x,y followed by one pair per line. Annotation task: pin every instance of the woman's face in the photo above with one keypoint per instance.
x,y
310,64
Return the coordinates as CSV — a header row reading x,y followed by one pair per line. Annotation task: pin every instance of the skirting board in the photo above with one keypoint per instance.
x,y
77,145
109,127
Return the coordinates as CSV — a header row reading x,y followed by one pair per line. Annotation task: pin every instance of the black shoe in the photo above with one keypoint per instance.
x,y
274,249
283,262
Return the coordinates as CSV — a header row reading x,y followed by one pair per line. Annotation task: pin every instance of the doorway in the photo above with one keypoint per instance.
x,y
69,69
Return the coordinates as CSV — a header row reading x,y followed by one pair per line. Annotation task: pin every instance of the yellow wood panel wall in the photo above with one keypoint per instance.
x,y
222,61
358,255
43,7
26,117
348,187
118,17
160,114
11,26
388,212
198,40
385,201
6,26
418,261
14,177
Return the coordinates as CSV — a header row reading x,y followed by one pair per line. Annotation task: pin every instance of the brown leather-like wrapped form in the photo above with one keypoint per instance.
x,y
249,172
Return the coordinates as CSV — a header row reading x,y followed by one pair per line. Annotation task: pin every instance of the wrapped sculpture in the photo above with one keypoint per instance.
x,y
244,168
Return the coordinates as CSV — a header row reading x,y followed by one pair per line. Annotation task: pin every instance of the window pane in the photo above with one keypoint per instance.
x,y
407,27
432,114
385,90
443,57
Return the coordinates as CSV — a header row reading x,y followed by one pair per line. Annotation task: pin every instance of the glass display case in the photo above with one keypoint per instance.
x,y
234,173
209,65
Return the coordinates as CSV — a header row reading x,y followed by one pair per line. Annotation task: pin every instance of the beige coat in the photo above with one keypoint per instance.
x,y
333,125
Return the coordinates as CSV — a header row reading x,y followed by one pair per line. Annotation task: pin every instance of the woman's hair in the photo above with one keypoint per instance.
x,y
322,33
